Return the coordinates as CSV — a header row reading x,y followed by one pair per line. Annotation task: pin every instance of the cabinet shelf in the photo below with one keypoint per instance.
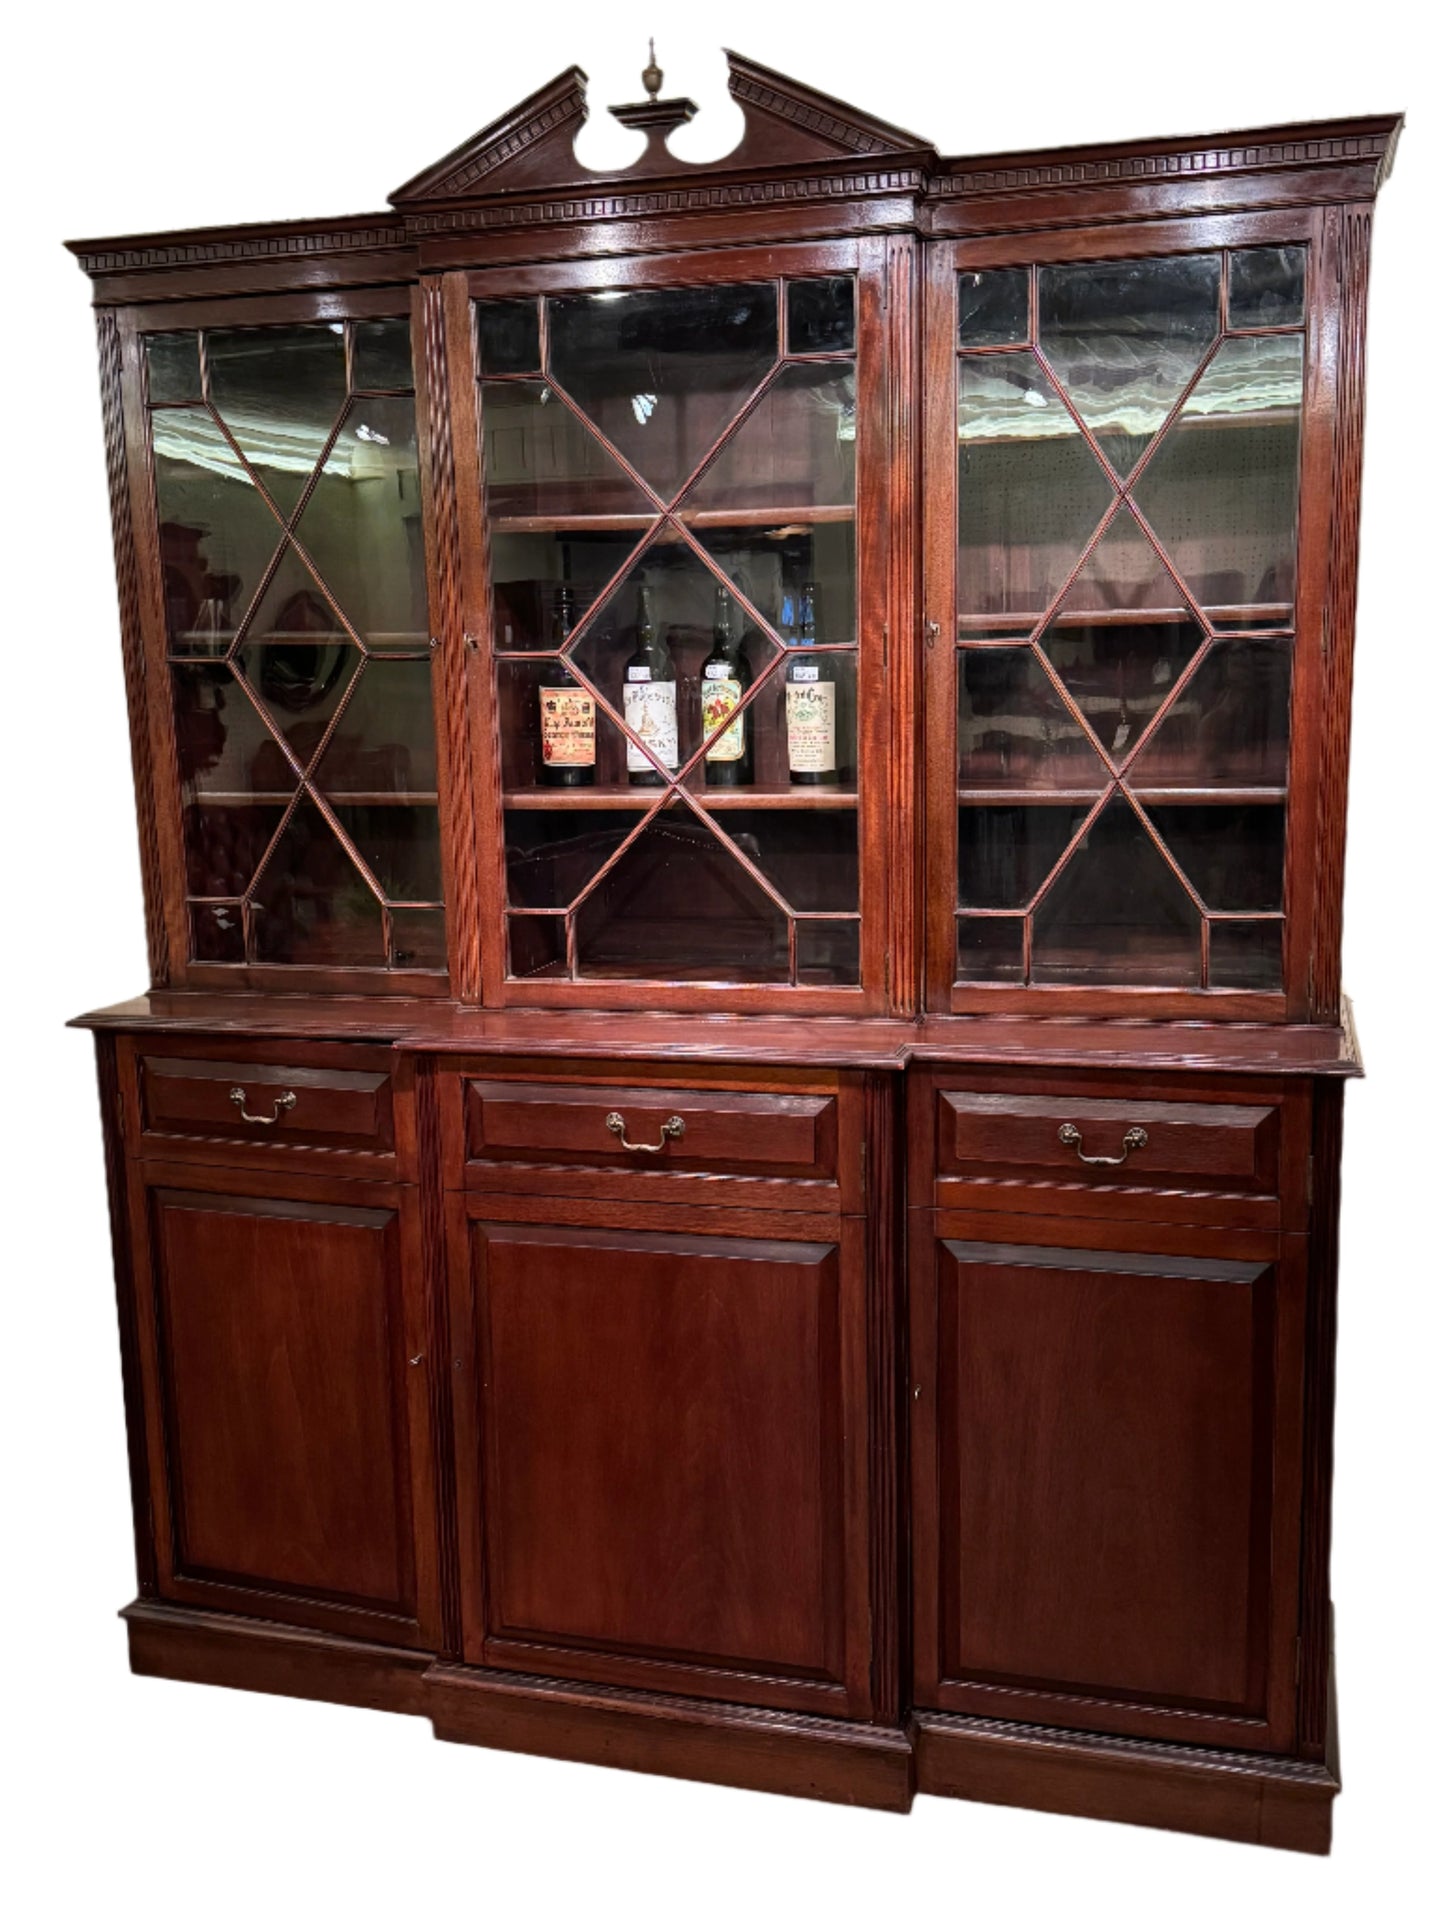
x,y
237,800
626,797
805,514
1029,796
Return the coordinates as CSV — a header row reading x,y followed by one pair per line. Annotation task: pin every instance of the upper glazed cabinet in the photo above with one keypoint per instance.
x,y
622,601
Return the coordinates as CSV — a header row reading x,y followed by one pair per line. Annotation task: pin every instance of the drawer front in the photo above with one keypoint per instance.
x,y
342,1105
651,1141
1076,1152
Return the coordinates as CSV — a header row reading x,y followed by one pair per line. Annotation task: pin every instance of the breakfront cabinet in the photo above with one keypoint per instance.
x,y
731,1162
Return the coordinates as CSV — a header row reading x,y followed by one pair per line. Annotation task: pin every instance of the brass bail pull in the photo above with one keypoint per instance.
x,y
1131,1143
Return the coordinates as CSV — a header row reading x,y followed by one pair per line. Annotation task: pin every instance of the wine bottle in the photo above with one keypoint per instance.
x,y
730,760
809,705
567,710
651,713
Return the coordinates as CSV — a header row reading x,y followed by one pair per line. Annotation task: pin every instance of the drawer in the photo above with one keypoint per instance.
x,y
334,1100
651,1140
1172,1158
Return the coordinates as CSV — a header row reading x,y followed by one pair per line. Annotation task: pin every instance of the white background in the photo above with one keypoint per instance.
x,y
136,1800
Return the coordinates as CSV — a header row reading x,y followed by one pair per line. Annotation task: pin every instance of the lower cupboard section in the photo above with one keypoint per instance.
x,y
661,1452
1106,1455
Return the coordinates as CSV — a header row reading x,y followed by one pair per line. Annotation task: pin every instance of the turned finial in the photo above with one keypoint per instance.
x,y
651,78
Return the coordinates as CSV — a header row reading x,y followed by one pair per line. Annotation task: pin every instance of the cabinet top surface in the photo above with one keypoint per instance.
x,y
799,147
881,1045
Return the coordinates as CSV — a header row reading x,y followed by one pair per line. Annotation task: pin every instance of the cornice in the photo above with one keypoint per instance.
x,y
200,247
542,115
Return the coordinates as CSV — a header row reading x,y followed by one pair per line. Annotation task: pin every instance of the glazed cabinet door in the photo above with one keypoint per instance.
x,y
673,486
284,1359
1128,524
1106,1487
661,1450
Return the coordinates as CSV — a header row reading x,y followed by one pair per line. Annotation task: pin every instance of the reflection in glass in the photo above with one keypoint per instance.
x,y
1231,723
661,371
224,844
384,741
380,355
418,937
310,906
990,948
279,391
1267,287
400,844
1005,852
222,747
217,535
820,315
172,367
1013,729
508,337
994,306
217,934
827,951
362,529
772,563
1030,491
1221,488
1246,954
1117,914
795,448
1233,854
1124,337
537,947
812,858
550,856
678,906
301,684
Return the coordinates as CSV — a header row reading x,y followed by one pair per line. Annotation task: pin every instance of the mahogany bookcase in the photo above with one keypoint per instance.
x,y
826,1282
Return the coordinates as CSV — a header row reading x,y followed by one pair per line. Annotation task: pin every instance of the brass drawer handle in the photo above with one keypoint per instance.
x,y
672,1128
282,1104
1131,1143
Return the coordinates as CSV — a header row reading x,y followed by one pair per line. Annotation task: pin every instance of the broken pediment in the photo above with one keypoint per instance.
x,y
787,125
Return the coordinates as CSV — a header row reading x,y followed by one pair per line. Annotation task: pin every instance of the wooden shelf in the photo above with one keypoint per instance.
x,y
1015,626
628,797
1146,793
238,799
602,525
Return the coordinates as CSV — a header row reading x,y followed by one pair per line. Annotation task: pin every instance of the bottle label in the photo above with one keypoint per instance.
x,y
567,727
720,694
637,673
810,723
650,715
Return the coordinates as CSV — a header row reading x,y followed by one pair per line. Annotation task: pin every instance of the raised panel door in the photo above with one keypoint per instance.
x,y
1106,1487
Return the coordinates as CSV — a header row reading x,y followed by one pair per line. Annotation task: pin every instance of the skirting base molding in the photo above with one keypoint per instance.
x,y
1273,1800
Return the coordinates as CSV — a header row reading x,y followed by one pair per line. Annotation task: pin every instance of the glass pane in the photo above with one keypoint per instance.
x,y
820,315
1124,337
1013,729
550,856
537,948
221,744
1267,287
384,743
508,335
678,906
224,844
1233,854
380,355
562,514
361,526
401,845
217,934
1221,489
417,938
217,535
827,951
662,371
1030,490
795,448
994,307
1005,852
1245,953
172,367
279,392
812,858
301,685
293,608
990,948
1122,636
768,720
772,564
310,905
1117,914
1229,726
